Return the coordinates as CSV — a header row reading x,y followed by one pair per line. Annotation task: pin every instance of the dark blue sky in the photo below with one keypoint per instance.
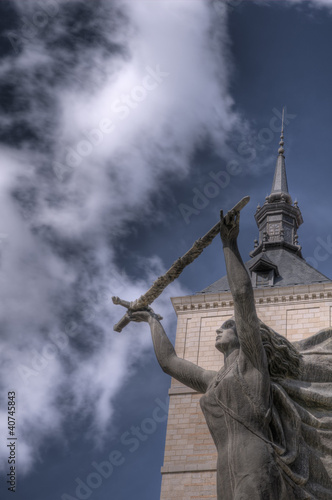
x,y
279,55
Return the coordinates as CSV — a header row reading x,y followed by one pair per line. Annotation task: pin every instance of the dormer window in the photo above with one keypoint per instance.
x,y
264,278
263,272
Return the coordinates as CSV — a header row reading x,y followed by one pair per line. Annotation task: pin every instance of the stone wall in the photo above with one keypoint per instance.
x,y
190,456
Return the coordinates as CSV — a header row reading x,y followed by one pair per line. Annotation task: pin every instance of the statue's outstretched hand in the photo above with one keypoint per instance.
x,y
142,315
229,226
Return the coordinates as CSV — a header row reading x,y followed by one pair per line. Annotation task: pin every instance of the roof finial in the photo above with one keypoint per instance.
x,y
281,150
279,186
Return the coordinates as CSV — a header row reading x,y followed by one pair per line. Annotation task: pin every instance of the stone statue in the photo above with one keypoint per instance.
x,y
269,408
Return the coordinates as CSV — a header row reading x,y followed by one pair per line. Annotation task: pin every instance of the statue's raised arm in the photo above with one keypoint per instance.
x,y
246,320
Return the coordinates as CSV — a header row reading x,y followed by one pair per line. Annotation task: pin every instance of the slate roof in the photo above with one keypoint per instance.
x,y
292,270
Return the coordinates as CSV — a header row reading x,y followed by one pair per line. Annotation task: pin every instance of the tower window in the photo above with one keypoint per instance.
x,y
274,229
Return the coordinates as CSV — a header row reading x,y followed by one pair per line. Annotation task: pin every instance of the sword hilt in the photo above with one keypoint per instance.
x,y
125,320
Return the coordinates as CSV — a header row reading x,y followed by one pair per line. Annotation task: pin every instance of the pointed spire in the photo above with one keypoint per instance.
x,y
278,219
280,186
281,150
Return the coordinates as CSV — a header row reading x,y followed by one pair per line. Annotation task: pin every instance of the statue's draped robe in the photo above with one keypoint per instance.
x,y
301,421
295,434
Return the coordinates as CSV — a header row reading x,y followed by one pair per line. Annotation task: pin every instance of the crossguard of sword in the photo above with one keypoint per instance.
x,y
131,308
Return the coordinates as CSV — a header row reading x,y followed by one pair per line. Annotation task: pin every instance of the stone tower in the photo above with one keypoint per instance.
x,y
278,219
291,297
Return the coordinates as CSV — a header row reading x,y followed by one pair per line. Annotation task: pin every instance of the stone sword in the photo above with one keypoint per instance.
x,y
173,272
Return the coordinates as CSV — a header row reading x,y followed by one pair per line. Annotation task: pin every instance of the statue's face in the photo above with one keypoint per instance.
x,y
227,338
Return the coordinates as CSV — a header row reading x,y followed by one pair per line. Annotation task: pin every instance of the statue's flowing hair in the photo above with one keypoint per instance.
x,y
284,360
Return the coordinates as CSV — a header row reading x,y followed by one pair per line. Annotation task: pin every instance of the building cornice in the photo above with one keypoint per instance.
x,y
263,296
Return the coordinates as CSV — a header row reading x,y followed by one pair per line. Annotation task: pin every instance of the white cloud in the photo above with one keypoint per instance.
x,y
65,199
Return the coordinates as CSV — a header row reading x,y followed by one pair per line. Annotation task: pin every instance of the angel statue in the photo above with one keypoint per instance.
x,y
269,408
